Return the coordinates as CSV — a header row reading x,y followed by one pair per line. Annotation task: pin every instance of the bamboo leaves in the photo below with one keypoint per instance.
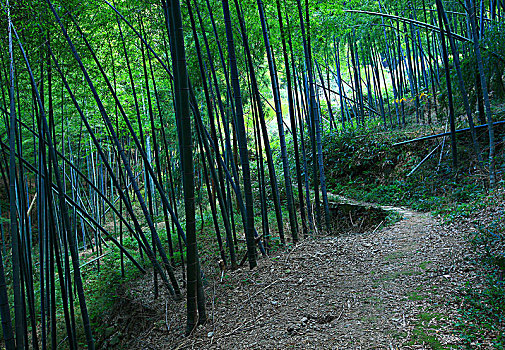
x,y
116,125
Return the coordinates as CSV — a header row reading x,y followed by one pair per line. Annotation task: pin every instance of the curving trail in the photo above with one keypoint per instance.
x,y
393,288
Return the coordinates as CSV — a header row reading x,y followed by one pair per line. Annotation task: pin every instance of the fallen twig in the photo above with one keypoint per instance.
x,y
379,225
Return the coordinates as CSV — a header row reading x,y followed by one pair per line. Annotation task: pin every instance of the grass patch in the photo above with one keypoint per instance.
x,y
416,296
424,265
425,329
482,314
395,255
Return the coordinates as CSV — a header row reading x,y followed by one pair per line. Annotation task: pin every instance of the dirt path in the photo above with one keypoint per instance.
x,y
394,288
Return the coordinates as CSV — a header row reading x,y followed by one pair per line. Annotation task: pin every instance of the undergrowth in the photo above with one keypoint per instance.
x,y
483,310
482,314
368,167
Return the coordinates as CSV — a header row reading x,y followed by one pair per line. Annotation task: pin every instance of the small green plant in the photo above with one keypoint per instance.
x,y
424,265
483,313
395,255
425,330
416,296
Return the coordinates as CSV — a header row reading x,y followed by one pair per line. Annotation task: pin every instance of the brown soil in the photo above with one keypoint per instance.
x,y
381,289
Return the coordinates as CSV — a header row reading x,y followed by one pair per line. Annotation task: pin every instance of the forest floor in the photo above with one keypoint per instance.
x,y
389,288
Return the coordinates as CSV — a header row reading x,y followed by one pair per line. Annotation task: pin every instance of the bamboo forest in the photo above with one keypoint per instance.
x,y
252,174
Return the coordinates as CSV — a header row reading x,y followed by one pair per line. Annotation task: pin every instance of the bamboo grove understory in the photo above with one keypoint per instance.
x,y
123,122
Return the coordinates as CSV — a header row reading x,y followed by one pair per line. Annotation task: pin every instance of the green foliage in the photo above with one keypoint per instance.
x,y
102,287
425,331
351,157
483,313
360,165
493,61
366,166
